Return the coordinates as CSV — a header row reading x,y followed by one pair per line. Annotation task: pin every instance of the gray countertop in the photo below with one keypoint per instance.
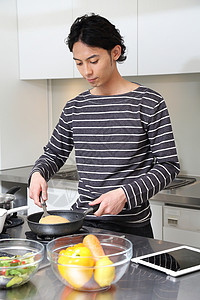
x,y
139,282
188,195
21,175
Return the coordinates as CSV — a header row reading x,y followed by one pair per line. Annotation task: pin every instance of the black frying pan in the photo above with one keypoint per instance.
x,y
75,218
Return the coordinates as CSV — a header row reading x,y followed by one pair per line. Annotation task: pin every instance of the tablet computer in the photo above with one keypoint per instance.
x,y
174,262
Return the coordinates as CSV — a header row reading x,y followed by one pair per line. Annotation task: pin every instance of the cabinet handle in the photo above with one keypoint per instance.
x,y
172,221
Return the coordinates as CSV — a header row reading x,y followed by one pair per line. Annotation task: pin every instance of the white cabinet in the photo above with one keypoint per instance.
x,y
42,28
157,219
44,25
124,17
168,36
161,36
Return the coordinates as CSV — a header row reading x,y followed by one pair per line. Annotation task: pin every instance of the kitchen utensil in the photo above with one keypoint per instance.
x,y
118,252
75,218
6,200
43,203
50,219
31,253
4,212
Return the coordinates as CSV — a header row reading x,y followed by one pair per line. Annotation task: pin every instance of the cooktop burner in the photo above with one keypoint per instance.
x,y
4,236
30,235
13,221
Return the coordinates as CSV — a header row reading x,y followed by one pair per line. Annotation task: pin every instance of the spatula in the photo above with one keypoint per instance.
x,y
52,219
43,203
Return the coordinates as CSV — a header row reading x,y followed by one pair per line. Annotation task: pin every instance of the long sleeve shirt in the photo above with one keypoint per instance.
x,y
120,141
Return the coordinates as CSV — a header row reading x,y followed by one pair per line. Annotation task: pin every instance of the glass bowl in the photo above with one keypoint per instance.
x,y
19,261
80,274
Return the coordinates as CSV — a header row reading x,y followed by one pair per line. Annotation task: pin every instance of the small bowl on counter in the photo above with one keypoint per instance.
x,y
19,261
88,273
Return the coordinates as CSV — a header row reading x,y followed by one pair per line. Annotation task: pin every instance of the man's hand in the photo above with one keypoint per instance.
x,y
38,187
111,202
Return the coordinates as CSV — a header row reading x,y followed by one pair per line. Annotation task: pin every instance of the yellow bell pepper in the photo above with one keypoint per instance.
x,y
75,265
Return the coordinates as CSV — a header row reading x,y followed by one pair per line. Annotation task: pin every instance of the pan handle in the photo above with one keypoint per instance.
x,y
91,209
13,190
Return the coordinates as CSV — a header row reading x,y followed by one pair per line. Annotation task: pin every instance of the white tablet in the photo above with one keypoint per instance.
x,y
174,262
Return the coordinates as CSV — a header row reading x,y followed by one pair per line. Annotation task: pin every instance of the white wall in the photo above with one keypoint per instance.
x,y
182,95
23,104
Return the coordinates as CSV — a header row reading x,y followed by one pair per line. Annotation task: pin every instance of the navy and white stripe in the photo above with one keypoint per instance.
x,y
120,141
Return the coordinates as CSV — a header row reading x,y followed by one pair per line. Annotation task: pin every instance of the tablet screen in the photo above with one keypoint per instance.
x,y
176,260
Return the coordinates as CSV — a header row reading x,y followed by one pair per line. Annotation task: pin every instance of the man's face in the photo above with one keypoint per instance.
x,y
96,65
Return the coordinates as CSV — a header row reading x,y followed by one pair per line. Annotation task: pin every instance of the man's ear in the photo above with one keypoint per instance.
x,y
116,52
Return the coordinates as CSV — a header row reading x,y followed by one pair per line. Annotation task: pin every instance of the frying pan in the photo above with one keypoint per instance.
x,y
75,218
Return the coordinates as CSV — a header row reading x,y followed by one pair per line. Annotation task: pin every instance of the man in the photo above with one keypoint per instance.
x,y
121,131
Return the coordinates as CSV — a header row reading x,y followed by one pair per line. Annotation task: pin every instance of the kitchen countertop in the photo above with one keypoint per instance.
x,y
21,175
139,282
188,195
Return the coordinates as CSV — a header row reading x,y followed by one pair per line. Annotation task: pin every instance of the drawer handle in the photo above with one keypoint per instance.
x,y
172,221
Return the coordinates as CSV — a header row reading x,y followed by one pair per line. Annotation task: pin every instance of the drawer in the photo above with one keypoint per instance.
x,y
180,236
182,218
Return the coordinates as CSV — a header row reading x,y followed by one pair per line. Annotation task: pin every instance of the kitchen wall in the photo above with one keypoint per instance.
x,y
23,104
182,95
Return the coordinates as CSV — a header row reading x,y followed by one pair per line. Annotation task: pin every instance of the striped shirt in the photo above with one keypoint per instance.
x,y
120,141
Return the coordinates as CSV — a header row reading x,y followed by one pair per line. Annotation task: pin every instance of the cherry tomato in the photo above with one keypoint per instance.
x,y
15,262
3,272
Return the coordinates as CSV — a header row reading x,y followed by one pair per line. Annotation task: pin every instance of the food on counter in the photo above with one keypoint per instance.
x,y
92,242
104,272
102,275
90,258
75,265
53,219
15,270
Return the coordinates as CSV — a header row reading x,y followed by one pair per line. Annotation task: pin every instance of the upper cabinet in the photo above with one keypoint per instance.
x,y
43,26
162,37
168,36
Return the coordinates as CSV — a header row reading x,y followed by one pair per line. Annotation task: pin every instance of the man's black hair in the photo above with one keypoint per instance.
x,y
96,31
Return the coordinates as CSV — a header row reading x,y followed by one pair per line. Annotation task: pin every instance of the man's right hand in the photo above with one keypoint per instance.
x,y
38,187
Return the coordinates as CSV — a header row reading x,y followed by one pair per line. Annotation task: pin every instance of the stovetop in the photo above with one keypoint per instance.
x,y
11,222
45,239
180,181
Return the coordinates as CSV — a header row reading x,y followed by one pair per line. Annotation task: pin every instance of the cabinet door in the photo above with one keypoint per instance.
x,y
43,27
168,36
157,219
185,237
124,17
